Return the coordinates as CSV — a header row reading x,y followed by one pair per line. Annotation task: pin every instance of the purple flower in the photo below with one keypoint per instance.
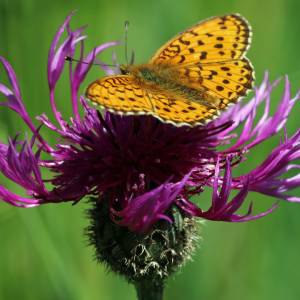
x,y
142,166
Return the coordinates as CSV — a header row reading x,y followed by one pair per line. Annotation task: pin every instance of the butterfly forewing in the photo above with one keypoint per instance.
x,y
214,40
123,95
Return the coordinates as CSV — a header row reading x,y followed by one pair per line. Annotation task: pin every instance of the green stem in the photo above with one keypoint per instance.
x,y
149,290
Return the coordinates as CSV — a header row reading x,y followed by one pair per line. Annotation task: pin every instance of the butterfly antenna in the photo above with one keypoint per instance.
x,y
126,24
68,58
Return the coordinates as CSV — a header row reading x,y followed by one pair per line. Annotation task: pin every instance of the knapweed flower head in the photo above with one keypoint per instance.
x,y
139,166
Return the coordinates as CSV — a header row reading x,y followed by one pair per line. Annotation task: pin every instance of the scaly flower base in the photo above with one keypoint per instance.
x,y
145,260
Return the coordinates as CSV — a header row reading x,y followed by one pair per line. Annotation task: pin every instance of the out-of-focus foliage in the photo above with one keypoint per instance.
x,y
43,253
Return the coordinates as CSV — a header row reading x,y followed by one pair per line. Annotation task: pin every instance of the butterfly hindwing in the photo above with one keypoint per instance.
x,y
227,81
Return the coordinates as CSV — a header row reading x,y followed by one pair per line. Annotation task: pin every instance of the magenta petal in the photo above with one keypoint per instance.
x,y
16,200
268,177
225,189
223,209
136,215
256,132
52,62
240,112
80,72
13,96
249,217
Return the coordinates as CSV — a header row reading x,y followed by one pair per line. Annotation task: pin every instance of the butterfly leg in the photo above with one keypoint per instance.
x,y
151,102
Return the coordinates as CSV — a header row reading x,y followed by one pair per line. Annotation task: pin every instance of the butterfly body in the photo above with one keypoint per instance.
x,y
167,80
189,80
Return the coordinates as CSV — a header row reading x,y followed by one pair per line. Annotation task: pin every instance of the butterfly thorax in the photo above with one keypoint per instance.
x,y
146,72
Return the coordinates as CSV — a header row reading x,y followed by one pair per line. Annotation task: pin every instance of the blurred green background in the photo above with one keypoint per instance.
x,y
43,253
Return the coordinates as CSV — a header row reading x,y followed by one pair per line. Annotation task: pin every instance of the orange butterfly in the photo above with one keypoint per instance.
x,y
189,80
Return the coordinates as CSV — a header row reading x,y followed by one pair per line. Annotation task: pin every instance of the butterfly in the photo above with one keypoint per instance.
x,y
190,79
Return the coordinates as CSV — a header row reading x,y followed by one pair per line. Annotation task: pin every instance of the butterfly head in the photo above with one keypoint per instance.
x,y
129,69
124,69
